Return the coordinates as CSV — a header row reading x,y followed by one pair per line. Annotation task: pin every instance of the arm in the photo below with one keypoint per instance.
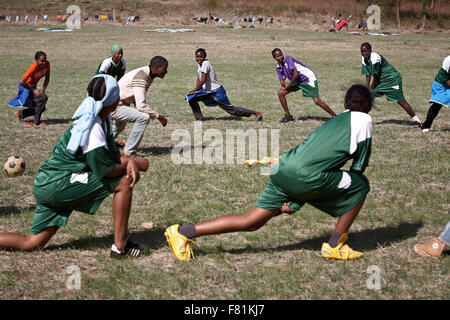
x,y
200,83
46,81
26,86
294,78
130,167
141,105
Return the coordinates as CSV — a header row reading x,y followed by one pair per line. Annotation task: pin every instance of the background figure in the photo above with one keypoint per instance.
x,y
211,92
309,173
115,65
300,77
440,94
133,89
29,96
385,79
435,247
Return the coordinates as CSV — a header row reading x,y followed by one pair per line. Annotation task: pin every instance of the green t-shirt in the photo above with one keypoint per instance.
x,y
444,73
378,67
108,67
96,156
330,146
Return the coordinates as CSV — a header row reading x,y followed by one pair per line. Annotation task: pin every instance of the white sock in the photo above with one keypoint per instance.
x,y
416,119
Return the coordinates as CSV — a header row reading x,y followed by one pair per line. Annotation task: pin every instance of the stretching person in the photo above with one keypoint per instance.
x,y
211,92
309,173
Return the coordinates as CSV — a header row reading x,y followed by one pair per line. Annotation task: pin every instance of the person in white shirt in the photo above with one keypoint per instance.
x,y
211,92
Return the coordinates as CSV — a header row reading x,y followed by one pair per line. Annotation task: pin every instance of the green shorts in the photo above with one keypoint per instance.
x,y
333,192
308,90
56,201
392,90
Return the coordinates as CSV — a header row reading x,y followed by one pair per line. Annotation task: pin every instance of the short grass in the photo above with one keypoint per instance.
x,y
409,172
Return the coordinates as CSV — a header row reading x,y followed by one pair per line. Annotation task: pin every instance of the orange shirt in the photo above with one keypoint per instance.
x,y
34,73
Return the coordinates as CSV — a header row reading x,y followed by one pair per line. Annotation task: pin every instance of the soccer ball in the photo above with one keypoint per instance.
x,y
14,166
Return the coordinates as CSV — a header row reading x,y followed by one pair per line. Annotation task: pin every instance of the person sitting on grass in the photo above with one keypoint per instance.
x,y
29,95
115,65
440,94
309,173
84,168
300,77
211,92
386,80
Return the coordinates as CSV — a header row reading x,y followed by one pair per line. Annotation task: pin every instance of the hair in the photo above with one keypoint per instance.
x,y
39,54
358,98
275,51
97,88
366,44
201,50
157,61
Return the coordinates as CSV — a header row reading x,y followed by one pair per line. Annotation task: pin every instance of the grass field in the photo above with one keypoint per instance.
x,y
409,172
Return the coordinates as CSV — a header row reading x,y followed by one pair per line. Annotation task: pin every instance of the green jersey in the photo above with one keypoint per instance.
x,y
95,156
377,66
115,70
330,146
310,173
444,73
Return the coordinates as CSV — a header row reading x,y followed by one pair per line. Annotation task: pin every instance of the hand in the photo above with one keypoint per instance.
x,y
286,209
192,91
37,92
162,120
133,172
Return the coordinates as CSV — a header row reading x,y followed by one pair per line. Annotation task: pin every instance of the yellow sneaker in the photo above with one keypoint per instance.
x,y
179,244
341,252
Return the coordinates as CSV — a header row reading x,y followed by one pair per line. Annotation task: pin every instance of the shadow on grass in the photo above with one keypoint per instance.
x,y
223,118
156,150
6,210
151,239
57,121
365,240
324,119
400,122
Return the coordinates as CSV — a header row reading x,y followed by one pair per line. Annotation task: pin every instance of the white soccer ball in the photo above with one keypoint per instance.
x,y
14,166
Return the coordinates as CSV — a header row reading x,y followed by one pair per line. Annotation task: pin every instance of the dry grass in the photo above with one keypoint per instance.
x,y
409,173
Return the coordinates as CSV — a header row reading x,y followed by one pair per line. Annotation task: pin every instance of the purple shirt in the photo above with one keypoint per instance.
x,y
285,71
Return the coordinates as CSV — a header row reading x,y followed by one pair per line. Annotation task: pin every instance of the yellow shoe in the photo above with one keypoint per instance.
x,y
179,244
341,252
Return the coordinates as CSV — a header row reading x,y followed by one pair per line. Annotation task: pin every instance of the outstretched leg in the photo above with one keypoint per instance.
x,y
27,242
405,105
324,106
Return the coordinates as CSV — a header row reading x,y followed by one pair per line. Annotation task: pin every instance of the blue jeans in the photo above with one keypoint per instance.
x,y
121,116
445,235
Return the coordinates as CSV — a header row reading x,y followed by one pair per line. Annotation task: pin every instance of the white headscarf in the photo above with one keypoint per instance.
x,y
88,111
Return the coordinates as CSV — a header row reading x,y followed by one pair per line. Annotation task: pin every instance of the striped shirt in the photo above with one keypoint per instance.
x,y
133,90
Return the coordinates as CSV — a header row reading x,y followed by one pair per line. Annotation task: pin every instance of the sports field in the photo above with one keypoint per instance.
x,y
408,172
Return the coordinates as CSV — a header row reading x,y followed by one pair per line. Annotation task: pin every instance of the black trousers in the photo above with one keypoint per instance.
x,y
37,111
234,111
432,113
